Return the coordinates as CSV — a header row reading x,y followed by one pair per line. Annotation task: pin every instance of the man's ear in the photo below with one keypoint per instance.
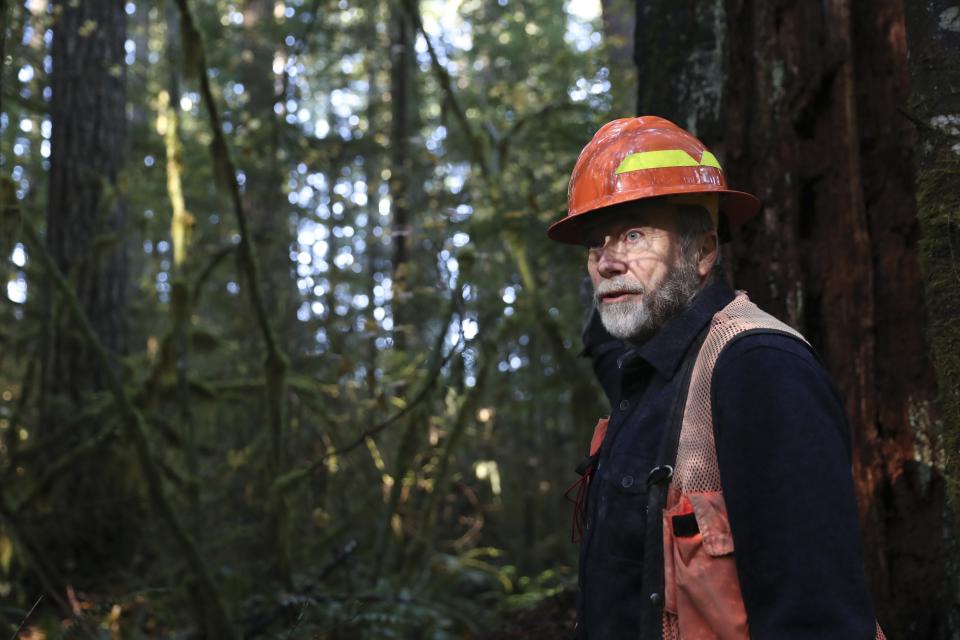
x,y
708,247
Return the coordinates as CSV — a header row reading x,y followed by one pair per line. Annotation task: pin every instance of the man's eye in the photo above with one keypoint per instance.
x,y
634,236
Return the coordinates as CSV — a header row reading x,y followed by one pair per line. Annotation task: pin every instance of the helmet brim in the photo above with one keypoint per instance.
x,y
736,206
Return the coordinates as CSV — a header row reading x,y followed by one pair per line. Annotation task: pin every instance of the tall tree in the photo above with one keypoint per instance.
x,y
618,24
85,225
85,215
263,108
802,101
933,33
402,185
3,43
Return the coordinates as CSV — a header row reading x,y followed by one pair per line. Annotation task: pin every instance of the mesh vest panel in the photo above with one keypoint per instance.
x,y
697,469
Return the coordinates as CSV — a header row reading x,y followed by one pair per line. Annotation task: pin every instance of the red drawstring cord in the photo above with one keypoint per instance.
x,y
582,484
579,499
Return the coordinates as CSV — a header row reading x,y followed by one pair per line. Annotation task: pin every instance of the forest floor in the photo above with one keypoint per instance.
x,y
553,618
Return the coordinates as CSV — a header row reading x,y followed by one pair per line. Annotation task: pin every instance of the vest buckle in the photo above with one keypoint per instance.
x,y
659,474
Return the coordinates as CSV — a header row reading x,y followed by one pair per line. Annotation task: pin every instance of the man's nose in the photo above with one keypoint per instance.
x,y
611,264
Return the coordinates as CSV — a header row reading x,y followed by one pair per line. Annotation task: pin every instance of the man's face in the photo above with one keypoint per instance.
x,y
640,277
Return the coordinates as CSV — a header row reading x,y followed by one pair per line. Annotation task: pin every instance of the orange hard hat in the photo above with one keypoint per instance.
x,y
639,158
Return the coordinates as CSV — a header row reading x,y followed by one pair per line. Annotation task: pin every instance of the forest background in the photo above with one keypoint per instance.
x,y
284,351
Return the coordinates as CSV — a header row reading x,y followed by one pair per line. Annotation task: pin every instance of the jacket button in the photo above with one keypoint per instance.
x,y
624,404
626,482
656,599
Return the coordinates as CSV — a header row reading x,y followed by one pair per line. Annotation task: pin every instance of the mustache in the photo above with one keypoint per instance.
x,y
619,285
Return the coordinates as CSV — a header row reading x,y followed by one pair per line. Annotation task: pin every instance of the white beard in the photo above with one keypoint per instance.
x,y
638,320
625,319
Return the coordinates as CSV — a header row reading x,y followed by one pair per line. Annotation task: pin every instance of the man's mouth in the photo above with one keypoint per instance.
x,y
610,297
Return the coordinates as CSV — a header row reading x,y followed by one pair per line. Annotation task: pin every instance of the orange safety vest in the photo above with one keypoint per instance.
x,y
702,599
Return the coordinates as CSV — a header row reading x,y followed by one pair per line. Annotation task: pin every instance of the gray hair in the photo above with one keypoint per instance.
x,y
693,222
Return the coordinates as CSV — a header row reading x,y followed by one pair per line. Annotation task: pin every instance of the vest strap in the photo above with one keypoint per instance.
x,y
651,605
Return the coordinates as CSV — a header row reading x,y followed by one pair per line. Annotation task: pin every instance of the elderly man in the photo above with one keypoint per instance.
x,y
717,500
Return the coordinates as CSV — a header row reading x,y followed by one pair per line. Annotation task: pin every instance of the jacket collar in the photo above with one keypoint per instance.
x,y
665,350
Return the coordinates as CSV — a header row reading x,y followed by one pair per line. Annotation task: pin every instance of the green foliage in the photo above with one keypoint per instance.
x,y
418,490
456,596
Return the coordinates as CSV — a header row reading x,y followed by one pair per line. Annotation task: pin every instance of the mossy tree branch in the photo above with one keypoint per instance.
x,y
435,365
462,419
181,227
411,438
216,619
491,162
276,362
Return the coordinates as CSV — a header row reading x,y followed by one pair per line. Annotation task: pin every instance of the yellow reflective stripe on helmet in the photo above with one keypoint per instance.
x,y
656,160
665,159
710,160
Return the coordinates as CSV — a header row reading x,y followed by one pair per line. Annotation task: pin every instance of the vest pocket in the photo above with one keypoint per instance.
x,y
701,585
623,506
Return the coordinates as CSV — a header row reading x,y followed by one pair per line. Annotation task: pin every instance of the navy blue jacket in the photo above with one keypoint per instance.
x,y
784,451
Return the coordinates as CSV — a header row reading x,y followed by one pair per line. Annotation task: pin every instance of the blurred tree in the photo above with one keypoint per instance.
x,y
85,212
87,237
619,21
265,85
404,121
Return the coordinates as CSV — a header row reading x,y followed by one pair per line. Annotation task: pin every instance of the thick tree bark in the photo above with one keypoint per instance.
x,y
679,54
801,102
85,216
87,521
933,30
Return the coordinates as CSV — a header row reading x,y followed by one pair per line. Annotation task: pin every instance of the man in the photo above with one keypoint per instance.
x,y
725,426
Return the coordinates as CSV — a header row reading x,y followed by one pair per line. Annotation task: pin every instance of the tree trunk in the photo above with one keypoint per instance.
x,y
266,207
801,102
3,43
618,24
263,196
88,523
933,31
402,58
85,216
